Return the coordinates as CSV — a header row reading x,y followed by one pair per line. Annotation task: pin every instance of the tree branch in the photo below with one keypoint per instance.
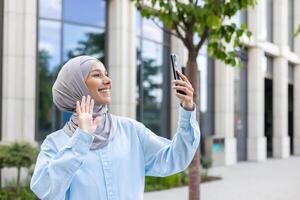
x,y
180,35
202,40
164,29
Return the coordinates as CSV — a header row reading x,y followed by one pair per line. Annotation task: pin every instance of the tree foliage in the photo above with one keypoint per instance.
x,y
206,19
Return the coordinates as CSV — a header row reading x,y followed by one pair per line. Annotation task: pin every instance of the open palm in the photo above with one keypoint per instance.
x,y
84,110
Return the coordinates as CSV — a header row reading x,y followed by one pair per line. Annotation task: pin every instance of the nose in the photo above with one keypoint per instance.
x,y
107,80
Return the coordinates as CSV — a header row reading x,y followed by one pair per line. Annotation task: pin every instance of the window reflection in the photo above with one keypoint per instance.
x,y
138,23
152,31
92,9
150,75
58,41
49,41
269,19
79,40
50,9
49,60
291,30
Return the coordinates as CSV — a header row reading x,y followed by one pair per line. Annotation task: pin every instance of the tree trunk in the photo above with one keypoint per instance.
x,y
194,168
18,178
0,178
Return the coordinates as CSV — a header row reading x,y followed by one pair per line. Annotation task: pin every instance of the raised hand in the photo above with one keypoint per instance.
x,y
84,110
185,86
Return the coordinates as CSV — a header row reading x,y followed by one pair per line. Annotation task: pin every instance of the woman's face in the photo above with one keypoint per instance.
x,y
99,84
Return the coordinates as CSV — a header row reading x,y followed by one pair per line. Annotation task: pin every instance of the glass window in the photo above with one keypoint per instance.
x,y
269,69
151,98
151,31
50,9
49,60
92,9
240,110
49,42
269,19
291,73
240,18
151,85
291,23
138,23
79,40
58,41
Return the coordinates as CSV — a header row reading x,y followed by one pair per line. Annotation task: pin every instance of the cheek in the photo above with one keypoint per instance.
x,y
93,85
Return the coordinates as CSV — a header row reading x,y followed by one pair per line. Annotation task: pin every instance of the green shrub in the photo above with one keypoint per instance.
x,y
20,154
11,193
161,183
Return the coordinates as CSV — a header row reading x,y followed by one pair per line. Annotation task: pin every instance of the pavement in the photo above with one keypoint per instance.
x,y
273,179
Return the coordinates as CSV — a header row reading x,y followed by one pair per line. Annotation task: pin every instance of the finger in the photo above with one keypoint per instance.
x,y
183,89
87,103
92,106
183,77
78,111
83,104
182,97
182,83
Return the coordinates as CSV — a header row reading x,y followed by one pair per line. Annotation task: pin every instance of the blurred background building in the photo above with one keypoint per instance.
x,y
247,113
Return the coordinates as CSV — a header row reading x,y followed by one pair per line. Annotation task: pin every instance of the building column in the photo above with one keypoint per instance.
x,y
224,116
121,60
297,83
256,141
19,70
281,141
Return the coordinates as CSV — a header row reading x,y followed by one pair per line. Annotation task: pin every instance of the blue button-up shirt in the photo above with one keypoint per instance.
x,y
66,168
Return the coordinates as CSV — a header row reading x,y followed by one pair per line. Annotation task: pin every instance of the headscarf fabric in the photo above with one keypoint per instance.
x,y
69,88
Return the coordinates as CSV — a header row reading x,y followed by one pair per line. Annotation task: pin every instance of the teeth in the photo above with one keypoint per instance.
x,y
104,90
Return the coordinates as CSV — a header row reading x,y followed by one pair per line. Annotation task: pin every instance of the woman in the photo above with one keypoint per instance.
x,y
101,156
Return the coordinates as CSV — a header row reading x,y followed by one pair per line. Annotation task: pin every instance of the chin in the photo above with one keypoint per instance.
x,y
103,101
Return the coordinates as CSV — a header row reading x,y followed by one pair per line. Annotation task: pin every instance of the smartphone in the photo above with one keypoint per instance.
x,y
174,64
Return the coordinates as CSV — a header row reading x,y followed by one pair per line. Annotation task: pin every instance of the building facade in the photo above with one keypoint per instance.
x,y
249,113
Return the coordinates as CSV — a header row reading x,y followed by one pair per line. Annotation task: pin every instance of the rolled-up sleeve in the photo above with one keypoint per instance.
x,y
164,157
55,168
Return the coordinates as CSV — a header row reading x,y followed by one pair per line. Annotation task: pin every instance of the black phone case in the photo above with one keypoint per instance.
x,y
174,65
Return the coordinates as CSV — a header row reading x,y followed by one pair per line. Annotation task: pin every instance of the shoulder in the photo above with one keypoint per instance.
x,y
55,141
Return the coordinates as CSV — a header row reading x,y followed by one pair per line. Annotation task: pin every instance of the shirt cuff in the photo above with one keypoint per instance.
x,y
186,116
81,141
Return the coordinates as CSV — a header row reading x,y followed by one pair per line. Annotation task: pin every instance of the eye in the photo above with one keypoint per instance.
x,y
96,75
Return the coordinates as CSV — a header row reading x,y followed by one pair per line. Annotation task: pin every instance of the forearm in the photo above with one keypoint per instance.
x,y
177,155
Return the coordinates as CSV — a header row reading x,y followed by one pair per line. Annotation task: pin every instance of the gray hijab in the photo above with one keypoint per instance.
x,y
69,87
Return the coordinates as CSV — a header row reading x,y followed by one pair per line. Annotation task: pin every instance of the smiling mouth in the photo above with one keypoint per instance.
x,y
104,90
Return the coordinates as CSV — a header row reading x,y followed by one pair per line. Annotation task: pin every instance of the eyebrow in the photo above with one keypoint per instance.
x,y
98,70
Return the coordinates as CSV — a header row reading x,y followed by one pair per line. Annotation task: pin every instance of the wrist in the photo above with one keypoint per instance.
x,y
188,106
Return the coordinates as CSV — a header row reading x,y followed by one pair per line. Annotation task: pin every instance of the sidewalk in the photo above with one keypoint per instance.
x,y
274,179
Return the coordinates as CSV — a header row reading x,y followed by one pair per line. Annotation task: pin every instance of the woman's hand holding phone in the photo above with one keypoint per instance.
x,y
184,91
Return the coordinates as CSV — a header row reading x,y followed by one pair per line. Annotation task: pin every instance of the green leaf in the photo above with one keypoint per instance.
x,y
213,21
